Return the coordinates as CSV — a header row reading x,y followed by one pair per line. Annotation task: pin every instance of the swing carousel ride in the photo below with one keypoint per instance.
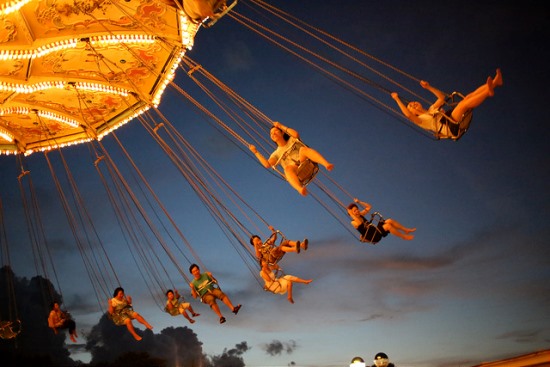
x,y
73,72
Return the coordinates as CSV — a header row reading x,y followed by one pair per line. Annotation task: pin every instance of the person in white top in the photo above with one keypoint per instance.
x,y
282,284
290,153
436,120
122,313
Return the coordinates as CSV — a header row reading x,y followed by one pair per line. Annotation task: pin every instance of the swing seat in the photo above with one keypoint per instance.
x,y
214,285
278,273
307,170
119,316
8,330
373,230
462,125
268,254
174,312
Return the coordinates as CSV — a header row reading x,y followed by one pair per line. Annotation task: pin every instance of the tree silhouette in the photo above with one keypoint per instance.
x,y
36,341
109,345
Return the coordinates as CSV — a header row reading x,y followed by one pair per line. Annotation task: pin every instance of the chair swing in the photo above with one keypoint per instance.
x,y
9,329
167,310
212,283
458,128
307,170
278,274
273,266
372,230
267,252
175,310
117,317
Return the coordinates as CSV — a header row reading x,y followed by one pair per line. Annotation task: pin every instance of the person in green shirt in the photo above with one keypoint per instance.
x,y
205,286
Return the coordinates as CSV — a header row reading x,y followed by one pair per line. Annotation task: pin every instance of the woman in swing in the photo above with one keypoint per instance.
x,y
280,285
433,120
385,226
289,154
122,313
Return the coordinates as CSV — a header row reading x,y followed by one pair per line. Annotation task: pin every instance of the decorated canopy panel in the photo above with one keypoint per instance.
x,y
71,71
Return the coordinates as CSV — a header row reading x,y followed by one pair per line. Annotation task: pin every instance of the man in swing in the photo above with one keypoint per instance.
x,y
445,124
59,319
385,226
204,286
270,254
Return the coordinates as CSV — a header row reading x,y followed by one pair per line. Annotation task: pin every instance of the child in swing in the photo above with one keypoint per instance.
x,y
176,307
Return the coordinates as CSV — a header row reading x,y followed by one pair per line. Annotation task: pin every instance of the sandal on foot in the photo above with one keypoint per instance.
x,y
305,242
236,309
222,320
196,314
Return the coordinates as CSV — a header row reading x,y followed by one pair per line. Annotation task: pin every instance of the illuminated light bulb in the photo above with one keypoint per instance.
x,y
26,89
6,135
46,114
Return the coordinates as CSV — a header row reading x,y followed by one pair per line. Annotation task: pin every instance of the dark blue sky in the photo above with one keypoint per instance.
x,y
471,287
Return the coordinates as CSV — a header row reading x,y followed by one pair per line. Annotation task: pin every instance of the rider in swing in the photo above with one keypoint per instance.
x,y
385,226
290,153
204,286
270,253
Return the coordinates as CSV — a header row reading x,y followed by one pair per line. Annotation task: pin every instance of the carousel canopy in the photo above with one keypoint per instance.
x,y
72,71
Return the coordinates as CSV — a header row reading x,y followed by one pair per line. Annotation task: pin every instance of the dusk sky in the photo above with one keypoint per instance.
x,y
473,286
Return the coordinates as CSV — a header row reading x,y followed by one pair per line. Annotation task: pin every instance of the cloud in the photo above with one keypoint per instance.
x,y
392,282
522,336
372,317
106,342
277,348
